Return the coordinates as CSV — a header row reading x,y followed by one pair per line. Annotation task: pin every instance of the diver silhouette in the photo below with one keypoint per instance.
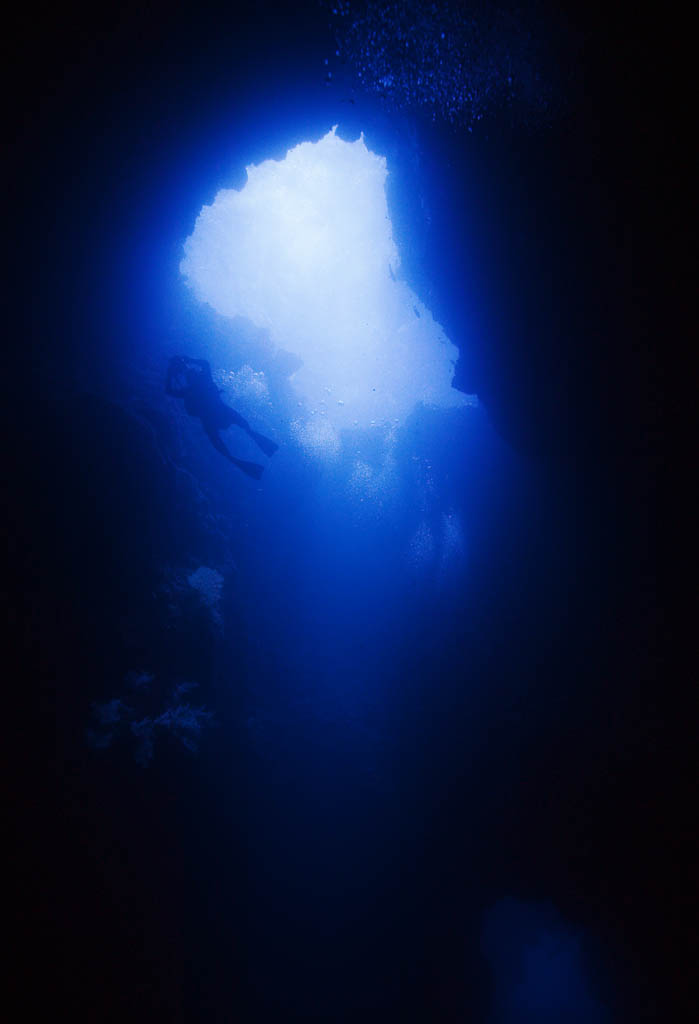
x,y
191,380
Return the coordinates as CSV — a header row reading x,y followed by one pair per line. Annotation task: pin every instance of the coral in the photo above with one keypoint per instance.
x,y
208,583
116,721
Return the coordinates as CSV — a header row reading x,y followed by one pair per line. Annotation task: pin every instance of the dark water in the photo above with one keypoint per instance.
x,y
428,768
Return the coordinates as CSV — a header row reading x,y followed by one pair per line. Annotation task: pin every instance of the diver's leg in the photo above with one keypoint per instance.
x,y
250,468
267,446
235,419
216,440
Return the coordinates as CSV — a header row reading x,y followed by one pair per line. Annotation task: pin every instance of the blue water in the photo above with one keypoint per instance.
x,y
363,647
339,747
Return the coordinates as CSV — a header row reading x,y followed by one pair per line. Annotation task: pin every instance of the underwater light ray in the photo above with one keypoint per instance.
x,y
305,250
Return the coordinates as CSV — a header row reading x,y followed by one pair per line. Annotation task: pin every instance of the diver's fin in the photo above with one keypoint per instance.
x,y
249,468
267,446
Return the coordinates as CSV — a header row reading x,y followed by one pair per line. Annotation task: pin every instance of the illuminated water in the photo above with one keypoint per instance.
x,y
359,740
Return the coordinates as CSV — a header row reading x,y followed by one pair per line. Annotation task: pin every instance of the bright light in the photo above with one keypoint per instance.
x,y
305,250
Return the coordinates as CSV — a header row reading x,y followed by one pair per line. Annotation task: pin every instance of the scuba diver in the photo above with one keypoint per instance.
x,y
191,380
